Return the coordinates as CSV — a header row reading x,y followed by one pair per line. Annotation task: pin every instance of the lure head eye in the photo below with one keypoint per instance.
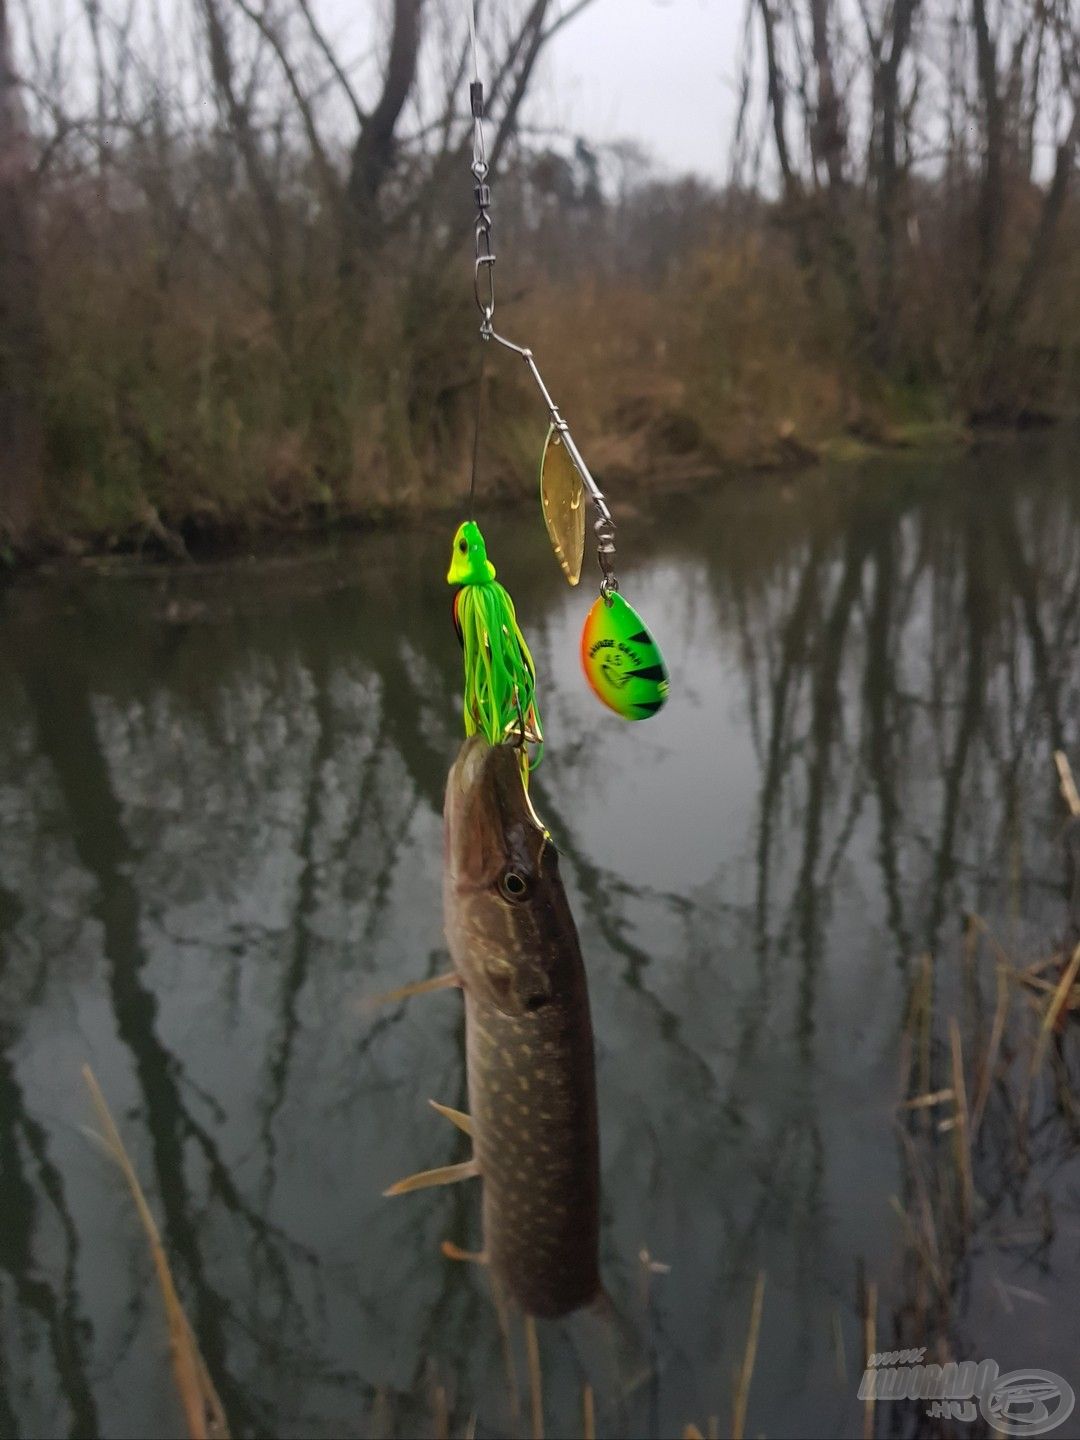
x,y
513,886
463,546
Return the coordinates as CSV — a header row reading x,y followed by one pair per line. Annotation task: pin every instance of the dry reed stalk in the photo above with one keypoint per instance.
x,y
745,1373
989,1061
536,1395
915,1036
970,950
1069,792
588,1413
961,1126
1038,966
498,1299
1049,1020
920,1243
924,1102
203,1410
381,1425
1004,958
870,1345
1047,987
440,1419
929,1229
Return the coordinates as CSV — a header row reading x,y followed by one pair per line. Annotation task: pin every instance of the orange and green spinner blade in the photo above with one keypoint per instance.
x,y
622,661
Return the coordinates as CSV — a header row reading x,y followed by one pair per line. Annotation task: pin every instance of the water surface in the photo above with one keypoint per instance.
x,y
220,797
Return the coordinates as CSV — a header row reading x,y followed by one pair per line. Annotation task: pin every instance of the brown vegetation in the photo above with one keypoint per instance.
x,y
988,1112
234,281
20,316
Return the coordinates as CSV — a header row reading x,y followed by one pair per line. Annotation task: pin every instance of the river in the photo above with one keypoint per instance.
x,y
220,802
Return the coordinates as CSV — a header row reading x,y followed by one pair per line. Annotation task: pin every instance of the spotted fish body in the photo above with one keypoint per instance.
x,y
531,1072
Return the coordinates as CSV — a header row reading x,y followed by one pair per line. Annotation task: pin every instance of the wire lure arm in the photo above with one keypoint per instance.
x,y
484,289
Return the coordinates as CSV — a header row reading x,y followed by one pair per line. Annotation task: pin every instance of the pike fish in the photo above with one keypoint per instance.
x,y
529,1044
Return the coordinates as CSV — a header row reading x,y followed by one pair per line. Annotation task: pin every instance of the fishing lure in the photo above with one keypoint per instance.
x,y
564,482
621,660
500,676
562,499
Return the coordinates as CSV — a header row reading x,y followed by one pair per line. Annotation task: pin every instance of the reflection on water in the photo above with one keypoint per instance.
x,y
220,800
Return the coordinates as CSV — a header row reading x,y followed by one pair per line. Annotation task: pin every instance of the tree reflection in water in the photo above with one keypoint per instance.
x,y
221,798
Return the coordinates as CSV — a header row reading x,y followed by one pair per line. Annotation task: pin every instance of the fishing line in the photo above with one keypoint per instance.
x,y
621,660
476,433
470,8
479,168
476,95
484,291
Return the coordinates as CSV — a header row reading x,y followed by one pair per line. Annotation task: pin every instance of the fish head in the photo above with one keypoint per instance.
x,y
505,910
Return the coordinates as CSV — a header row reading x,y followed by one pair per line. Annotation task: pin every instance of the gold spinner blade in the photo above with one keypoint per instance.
x,y
562,498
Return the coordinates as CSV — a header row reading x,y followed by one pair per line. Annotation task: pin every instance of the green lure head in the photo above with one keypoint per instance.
x,y
469,564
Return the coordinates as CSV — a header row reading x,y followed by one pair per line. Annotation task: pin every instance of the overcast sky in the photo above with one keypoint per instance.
x,y
661,72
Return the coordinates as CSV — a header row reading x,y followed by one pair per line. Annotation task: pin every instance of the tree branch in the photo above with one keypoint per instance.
x,y
373,152
270,33
1049,216
335,65
777,101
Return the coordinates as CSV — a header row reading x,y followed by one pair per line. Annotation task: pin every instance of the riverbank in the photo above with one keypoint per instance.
x,y
651,450
197,428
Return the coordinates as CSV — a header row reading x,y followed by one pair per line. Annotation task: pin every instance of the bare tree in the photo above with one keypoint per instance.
x,y
373,150
991,191
21,333
777,98
1014,70
888,45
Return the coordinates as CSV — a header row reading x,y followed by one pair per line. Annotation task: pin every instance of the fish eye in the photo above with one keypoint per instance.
x,y
463,546
513,885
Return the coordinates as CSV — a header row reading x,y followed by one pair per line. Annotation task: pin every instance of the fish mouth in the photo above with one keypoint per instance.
x,y
489,817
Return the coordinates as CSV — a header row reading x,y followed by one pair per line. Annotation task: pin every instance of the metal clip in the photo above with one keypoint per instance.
x,y
485,303
485,261
605,554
